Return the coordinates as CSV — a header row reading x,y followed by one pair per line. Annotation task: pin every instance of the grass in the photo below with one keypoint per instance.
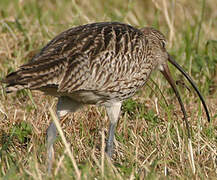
x,y
151,140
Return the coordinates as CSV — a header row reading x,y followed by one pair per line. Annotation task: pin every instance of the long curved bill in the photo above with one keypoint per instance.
x,y
166,72
167,75
174,63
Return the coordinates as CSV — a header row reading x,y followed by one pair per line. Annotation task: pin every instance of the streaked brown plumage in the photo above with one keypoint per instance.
x,y
110,60
99,63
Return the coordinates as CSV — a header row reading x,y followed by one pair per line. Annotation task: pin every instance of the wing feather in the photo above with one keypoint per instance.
x,y
79,58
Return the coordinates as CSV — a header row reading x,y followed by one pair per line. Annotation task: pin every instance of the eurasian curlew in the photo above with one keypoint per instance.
x,y
100,63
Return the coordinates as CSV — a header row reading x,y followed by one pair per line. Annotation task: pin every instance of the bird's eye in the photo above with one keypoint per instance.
x,y
163,43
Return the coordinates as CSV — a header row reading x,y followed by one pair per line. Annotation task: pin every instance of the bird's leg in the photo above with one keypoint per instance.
x,y
51,137
64,105
109,145
113,112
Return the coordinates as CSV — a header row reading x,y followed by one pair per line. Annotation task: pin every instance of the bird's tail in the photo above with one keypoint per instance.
x,y
34,75
14,82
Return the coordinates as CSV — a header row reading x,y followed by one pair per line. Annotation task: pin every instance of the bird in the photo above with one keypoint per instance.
x,y
101,64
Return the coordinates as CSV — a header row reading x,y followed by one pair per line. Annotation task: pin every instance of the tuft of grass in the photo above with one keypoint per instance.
x,y
151,141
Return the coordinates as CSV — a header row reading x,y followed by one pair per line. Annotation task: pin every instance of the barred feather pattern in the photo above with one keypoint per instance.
x,y
93,63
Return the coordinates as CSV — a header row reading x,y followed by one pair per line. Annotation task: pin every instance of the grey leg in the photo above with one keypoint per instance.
x,y
51,137
113,112
64,106
109,145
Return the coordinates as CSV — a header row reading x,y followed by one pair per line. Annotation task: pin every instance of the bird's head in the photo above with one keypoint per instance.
x,y
156,47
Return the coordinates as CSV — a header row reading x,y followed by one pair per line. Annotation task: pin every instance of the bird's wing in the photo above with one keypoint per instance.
x,y
70,60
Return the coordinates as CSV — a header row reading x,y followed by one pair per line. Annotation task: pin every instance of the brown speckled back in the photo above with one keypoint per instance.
x,y
108,61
